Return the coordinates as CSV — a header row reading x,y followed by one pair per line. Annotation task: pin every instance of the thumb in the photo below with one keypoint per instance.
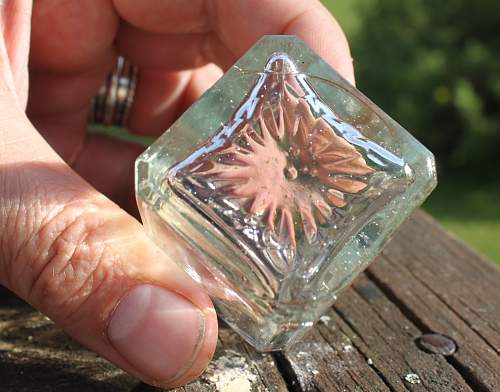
x,y
85,263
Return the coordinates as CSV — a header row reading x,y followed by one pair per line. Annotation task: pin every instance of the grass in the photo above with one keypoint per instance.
x,y
471,210
120,134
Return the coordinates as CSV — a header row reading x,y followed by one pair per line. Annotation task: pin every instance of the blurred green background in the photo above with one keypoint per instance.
x,y
435,68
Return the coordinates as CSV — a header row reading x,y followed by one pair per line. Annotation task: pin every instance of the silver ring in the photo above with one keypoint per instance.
x,y
111,104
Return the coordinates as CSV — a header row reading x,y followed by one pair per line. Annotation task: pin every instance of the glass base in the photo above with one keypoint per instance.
x,y
277,187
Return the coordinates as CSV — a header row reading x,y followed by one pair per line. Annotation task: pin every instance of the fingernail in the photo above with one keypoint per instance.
x,y
157,331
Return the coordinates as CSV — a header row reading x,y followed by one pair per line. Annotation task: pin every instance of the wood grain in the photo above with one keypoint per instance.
x,y
383,334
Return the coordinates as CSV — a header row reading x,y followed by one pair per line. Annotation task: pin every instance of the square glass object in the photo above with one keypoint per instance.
x,y
277,187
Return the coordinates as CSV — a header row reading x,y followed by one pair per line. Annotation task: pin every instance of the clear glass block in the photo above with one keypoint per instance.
x,y
277,187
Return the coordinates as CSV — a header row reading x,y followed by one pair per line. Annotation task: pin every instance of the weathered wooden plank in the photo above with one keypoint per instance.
x,y
318,364
236,367
240,368
35,355
386,338
420,273
471,283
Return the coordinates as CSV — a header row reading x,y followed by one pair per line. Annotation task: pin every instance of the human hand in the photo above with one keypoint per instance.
x,y
64,246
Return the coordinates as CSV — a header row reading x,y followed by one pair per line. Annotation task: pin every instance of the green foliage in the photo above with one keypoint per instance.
x,y
434,67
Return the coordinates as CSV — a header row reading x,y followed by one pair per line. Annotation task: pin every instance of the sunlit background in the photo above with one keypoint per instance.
x,y
435,68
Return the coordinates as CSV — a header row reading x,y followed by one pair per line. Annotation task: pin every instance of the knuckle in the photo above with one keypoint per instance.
x,y
72,261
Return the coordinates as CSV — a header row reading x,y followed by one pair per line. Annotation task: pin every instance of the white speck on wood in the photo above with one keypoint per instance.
x,y
347,348
325,319
305,363
231,373
412,378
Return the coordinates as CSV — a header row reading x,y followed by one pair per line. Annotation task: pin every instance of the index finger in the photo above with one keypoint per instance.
x,y
231,27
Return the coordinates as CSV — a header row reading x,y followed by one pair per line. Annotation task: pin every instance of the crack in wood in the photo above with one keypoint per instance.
x,y
286,369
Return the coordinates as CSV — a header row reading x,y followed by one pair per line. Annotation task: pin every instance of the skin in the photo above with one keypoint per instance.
x,y
67,244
